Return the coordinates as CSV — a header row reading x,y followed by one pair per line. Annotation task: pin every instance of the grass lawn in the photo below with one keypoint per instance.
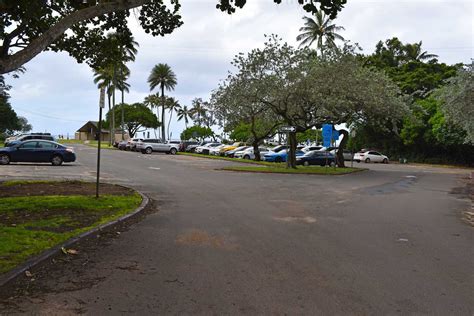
x,y
299,170
32,224
103,144
263,163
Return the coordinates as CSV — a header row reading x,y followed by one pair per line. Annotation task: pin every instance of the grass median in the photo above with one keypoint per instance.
x,y
38,215
298,170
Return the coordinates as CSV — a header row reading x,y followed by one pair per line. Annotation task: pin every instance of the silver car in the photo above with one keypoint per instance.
x,y
147,146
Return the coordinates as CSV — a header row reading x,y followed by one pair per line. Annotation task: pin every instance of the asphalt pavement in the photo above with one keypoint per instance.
x,y
389,240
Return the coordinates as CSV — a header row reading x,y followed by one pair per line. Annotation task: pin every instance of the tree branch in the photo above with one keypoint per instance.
x,y
36,46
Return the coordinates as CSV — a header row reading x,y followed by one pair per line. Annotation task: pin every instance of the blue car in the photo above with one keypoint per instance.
x,y
37,151
280,156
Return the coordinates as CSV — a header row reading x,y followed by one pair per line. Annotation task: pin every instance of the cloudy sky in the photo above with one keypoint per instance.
x,y
57,95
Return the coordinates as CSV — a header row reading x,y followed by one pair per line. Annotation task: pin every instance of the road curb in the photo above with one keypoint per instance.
x,y
47,254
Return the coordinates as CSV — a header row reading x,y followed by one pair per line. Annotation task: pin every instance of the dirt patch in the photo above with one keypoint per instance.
x,y
198,237
61,188
67,272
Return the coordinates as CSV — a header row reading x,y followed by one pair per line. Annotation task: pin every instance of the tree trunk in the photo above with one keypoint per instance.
x,y
169,122
163,131
256,152
110,116
291,153
36,46
112,136
342,145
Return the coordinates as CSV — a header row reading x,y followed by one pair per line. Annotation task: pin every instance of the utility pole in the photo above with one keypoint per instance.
x,y
101,106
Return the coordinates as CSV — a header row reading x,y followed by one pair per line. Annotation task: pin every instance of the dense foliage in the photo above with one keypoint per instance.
x,y
197,132
136,116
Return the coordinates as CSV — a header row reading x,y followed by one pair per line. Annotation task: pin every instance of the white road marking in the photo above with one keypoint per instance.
x,y
154,168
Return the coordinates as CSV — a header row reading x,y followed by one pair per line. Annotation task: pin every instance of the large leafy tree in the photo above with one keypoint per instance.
x,y
457,101
136,116
307,92
321,31
163,77
197,132
29,27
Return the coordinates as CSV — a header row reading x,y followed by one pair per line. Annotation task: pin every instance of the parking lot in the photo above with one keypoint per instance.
x,y
384,241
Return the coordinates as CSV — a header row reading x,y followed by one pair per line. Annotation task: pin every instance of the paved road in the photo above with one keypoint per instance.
x,y
386,241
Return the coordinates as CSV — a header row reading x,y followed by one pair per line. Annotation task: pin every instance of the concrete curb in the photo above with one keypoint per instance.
x,y
45,255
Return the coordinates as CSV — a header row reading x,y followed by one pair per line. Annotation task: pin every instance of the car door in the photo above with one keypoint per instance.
x,y
375,156
26,152
44,151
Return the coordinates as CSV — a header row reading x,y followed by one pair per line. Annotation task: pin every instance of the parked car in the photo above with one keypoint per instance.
x,y
345,152
370,156
192,148
149,145
183,146
278,148
279,156
231,153
122,145
311,148
22,138
316,157
227,148
215,151
37,151
205,148
249,153
132,144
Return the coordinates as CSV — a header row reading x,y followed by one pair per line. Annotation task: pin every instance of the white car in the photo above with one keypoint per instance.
x,y
346,153
311,148
249,154
205,148
216,150
370,156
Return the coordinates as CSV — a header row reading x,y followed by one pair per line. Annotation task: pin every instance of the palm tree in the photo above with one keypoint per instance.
x,y
198,111
319,30
186,114
153,102
413,52
161,75
172,106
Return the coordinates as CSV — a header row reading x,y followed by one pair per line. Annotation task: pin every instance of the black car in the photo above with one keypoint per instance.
x,y
37,151
316,157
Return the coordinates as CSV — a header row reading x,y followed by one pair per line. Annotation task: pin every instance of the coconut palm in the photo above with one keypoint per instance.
x,y
172,106
319,30
163,77
153,101
413,52
186,114
198,111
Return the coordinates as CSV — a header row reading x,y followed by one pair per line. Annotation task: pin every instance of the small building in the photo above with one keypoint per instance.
x,y
89,131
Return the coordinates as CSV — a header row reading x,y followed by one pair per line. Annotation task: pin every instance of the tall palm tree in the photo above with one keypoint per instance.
x,y
319,30
153,101
163,77
198,111
413,52
186,114
172,106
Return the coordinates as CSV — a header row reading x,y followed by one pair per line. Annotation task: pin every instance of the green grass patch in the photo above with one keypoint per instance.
x,y
299,170
239,160
30,225
103,144
70,141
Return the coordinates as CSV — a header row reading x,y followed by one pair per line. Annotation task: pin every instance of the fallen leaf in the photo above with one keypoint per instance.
x,y
28,274
72,251
64,250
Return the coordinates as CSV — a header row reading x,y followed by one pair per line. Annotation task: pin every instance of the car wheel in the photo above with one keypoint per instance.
x,y
367,160
173,151
358,161
4,159
246,157
306,163
57,160
148,150
278,159
332,164
385,160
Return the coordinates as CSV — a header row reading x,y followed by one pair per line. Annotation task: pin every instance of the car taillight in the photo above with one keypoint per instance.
x,y
70,149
